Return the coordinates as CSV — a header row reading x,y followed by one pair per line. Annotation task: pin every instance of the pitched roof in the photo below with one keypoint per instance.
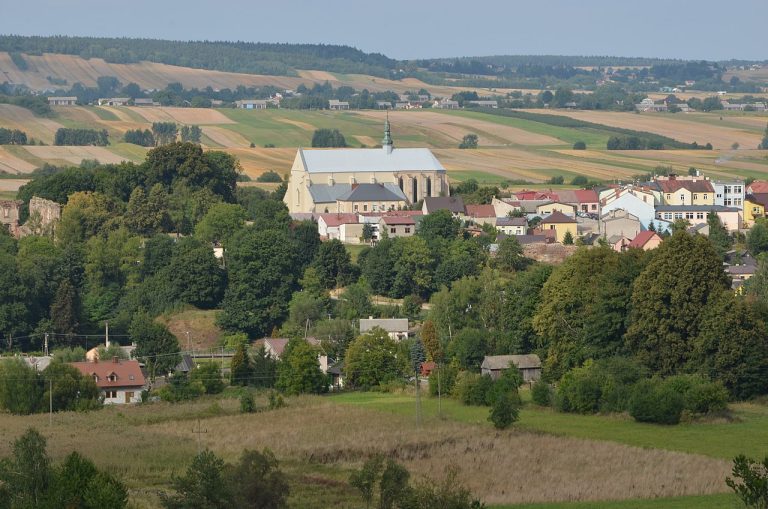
x,y
352,160
373,192
324,193
127,373
395,220
694,186
453,203
527,361
557,217
758,187
761,198
642,238
511,221
277,345
480,211
186,365
339,219
388,324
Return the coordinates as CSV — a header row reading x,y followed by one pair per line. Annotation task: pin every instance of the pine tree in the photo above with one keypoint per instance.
x,y
241,368
64,309
431,341
568,238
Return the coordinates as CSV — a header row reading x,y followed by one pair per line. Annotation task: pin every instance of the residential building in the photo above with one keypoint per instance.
x,y
729,193
446,104
480,214
62,101
319,177
251,104
38,363
740,266
455,204
335,105
512,225
647,104
275,347
396,328
484,103
584,200
120,382
397,226
620,222
757,187
754,208
371,198
647,194
529,366
695,214
328,225
640,207
383,105
551,207
560,224
618,243
646,240
114,101
684,191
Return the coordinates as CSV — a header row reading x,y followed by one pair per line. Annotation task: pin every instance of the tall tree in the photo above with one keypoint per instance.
x,y
371,359
65,310
241,367
333,264
155,345
299,370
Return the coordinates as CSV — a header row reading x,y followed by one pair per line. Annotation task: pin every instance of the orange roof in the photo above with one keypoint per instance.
x,y
694,186
394,220
339,219
557,217
481,211
114,373
642,238
758,187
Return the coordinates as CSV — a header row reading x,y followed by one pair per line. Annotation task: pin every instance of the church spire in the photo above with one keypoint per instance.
x,y
386,143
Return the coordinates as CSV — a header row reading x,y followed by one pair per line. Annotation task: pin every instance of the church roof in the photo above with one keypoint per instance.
x,y
373,192
324,193
350,160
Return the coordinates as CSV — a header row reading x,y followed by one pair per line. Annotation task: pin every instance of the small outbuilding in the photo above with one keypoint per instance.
x,y
529,366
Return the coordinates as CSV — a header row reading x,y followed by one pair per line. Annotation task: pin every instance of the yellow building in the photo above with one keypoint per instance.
x,y
561,224
687,192
752,211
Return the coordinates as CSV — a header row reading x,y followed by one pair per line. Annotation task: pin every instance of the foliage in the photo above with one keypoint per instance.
x,y
509,256
541,393
79,137
469,141
473,388
209,375
241,369
469,347
328,138
504,411
164,132
579,145
247,403
371,360
12,137
22,390
333,264
181,387
657,402
155,345
269,176
299,370
757,237
191,133
143,138
750,481
439,225
603,385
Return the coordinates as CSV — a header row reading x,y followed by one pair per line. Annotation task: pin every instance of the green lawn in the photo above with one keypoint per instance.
x,y
747,434
484,179
104,114
720,501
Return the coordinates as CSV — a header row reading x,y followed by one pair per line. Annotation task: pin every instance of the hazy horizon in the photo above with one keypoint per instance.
x,y
405,31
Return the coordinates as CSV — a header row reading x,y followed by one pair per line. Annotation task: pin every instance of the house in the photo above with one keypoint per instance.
x,y
318,177
251,104
383,105
646,240
336,372
454,204
371,198
695,214
484,103
560,224
335,105
620,222
92,355
512,225
550,207
640,206
754,208
729,193
740,266
446,104
119,381
328,225
529,366
114,101
185,365
686,191
38,363
62,101
397,226
396,328
145,102
584,200
757,187
480,214
275,348
618,243
647,104
647,194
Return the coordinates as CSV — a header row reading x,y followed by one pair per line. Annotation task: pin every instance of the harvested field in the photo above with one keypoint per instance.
x,y
225,137
9,163
75,155
200,116
11,185
454,128
300,125
256,161
673,126
40,128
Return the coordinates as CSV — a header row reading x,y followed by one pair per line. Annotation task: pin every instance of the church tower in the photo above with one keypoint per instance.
x,y
386,143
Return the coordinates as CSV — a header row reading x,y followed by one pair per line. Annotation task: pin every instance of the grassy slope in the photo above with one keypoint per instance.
x,y
747,435
721,501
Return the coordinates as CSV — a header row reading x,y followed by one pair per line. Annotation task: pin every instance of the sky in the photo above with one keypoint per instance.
x,y
401,29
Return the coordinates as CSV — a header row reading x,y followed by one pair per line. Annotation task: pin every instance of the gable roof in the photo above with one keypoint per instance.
x,y
557,217
324,193
758,187
511,221
352,160
398,220
128,373
373,192
388,324
338,219
495,362
694,186
453,203
759,198
642,238
480,210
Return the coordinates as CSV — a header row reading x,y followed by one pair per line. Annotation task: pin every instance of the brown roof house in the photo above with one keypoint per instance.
x,y
529,365
120,382
455,204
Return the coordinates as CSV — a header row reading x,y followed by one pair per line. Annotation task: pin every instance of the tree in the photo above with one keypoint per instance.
x,y
504,411
718,234
209,375
264,368
269,176
333,264
368,232
431,342
193,275
568,238
413,267
439,225
757,237
469,346
22,389
65,309
365,479
764,144
750,481
469,141
28,471
669,298
202,487
256,481
71,389
579,145
241,368
164,132
299,370
155,345
371,359
328,138
509,256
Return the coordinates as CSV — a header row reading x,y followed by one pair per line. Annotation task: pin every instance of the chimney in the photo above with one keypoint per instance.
x,y
115,360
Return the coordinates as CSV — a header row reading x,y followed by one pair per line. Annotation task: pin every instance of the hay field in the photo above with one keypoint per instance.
x,y
10,163
75,155
10,186
16,117
145,445
673,126
200,116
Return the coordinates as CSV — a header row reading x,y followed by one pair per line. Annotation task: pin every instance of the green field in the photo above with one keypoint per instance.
x,y
721,501
747,434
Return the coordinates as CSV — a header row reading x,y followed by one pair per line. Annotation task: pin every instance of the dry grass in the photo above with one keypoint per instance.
x,y
16,117
10,186
201,325
9,163
74,155
200,116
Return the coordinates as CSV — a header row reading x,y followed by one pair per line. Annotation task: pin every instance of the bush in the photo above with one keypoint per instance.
x,y
247,404
655,401
541,393
269,176
209,375
505,411
579,145
276,400
448,376
579,391
473,389
700,396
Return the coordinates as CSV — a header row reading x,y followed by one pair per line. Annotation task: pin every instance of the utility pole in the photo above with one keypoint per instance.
x,y
418,396
199,431
106,334
189,342
439,397
50,401
46,344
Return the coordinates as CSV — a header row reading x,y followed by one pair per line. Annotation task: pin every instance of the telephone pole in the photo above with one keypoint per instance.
x,y
46,344
50,401
199,431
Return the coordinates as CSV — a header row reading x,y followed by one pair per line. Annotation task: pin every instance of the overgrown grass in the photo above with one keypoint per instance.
x,y
747,434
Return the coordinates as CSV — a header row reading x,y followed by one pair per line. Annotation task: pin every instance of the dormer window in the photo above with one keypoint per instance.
x,y
112,377
95,377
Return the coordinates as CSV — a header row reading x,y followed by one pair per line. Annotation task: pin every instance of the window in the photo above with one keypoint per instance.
x,y
365,208
95,378
682,197
393,230
355,207
678,215
407,229
705,196
669,196
737,202
689,215
737,189
112,377
131,377
110,394
695,196
718,195
728,202
727,189
594,206
375,207
668,216
699,215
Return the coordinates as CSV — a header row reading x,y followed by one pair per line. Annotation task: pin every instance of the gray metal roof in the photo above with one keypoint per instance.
x,y
695,208
511,221
388,324
373,192
324,193
350,160
453,203
504,361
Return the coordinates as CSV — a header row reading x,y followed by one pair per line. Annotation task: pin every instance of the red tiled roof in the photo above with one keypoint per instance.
x,y
557,217
126,373
393,213
642,238
394,220
586,196
758,187
339,219
481,211
694,186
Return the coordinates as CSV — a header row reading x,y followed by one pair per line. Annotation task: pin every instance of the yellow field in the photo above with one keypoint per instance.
x,y
9,163
11,185
198,116
15,117
74,155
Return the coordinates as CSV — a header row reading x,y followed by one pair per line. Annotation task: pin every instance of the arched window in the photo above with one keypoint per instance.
x,y
429,187
415,189
400,182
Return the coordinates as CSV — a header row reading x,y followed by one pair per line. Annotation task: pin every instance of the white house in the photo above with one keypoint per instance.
x,y
120,382
251,104
62,101
335,105
397,328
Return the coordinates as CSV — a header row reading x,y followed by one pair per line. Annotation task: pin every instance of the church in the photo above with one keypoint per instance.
x,y
350,180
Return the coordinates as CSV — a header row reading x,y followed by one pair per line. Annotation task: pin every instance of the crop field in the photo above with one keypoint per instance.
x,y
146,444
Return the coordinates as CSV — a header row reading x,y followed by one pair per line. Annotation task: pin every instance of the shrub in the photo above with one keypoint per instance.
x,y
655,401
700,396
247,404
275,400
448,376
269,176
579,391
505,411
579,145
209,375
541,393
473,389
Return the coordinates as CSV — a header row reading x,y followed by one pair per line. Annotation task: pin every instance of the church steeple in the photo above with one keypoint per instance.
x,y
386,143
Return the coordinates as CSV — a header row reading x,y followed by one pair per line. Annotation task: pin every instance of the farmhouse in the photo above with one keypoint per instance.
x,y
529,366
396,328
114,101
335,105
251,104
62,101
319,177
120,382
397,226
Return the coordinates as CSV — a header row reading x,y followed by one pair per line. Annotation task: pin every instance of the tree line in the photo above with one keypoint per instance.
x,y
81,137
